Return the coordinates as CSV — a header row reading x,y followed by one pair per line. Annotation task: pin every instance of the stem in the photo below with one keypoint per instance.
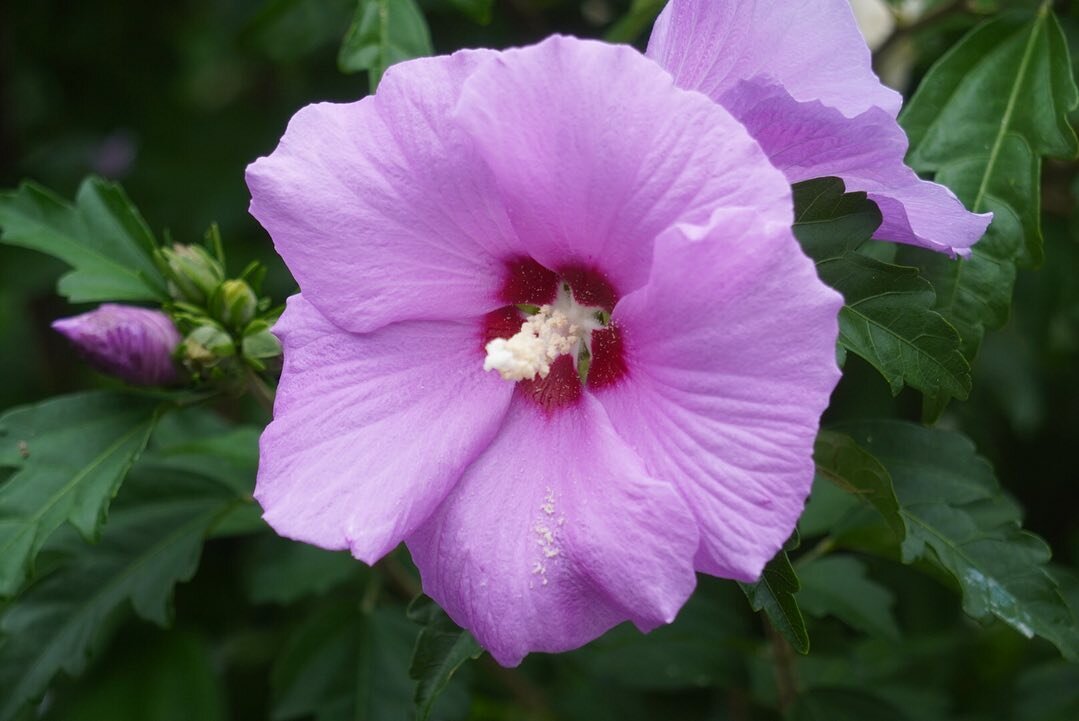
x,y
526,693
261,390
825,546
783,661
400,579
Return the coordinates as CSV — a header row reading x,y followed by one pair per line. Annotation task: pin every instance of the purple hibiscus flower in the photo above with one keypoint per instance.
x,y
134,344
554,332
798,75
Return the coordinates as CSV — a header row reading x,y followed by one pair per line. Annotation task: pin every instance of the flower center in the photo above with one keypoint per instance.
x,y
562,328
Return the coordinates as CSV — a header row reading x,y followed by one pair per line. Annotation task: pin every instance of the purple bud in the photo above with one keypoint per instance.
x,y
134,344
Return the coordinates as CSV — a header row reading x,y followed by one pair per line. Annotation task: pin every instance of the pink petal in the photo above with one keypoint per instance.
x,y
555,535
811,47
731,355
371,431
809,140
596,152
381,209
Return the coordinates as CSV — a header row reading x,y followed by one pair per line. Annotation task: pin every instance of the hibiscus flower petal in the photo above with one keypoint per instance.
x,y
556,534
381,209
810,140
811,47
371,431
596,152
730,353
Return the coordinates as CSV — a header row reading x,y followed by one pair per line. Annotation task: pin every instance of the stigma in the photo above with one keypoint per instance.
x,y
561,328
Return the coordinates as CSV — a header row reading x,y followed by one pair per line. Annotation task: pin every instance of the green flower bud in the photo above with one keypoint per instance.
x,y
193,273
234,303
205,347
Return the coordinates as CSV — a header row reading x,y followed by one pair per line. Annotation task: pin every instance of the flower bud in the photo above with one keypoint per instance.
x,y
131,343
205,347
193,273
234,303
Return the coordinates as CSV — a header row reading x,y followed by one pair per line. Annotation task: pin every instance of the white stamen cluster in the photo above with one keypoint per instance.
x,y
542,338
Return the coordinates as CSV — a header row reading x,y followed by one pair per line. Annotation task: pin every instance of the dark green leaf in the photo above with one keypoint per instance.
x,y
102,237
887,318
958,518
70,454
152,542
440,650
774,594
701,649
344,665
384,32
841,704
638,19
837,586
981,120
478,10
1048,693
280,571
841,460
166,677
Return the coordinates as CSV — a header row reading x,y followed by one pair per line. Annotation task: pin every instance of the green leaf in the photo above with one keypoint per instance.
x,y
478,10
701,649
887,318
638,19
165,677
384,32
153,541
102,237
958,518
344,665
981,120
841,704
440,650
774,594
70,455
841,460
838,586
279,571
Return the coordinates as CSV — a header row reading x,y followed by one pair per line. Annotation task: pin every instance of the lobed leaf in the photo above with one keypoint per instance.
x,y
841,460
958,518
345,665
981,121
152,542
441,649
774,594
384,32
70,455
887,318
102,237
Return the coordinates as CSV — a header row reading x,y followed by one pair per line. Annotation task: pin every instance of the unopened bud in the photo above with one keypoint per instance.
x,y
193,273
205,347
131,343
234,303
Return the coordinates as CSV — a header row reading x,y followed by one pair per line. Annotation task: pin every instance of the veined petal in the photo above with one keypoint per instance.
x,y
371,431
556,534
810,140
731,360
596,152
811,47
381,208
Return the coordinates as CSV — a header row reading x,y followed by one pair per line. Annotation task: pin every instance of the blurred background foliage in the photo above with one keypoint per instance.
x,y
175,99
